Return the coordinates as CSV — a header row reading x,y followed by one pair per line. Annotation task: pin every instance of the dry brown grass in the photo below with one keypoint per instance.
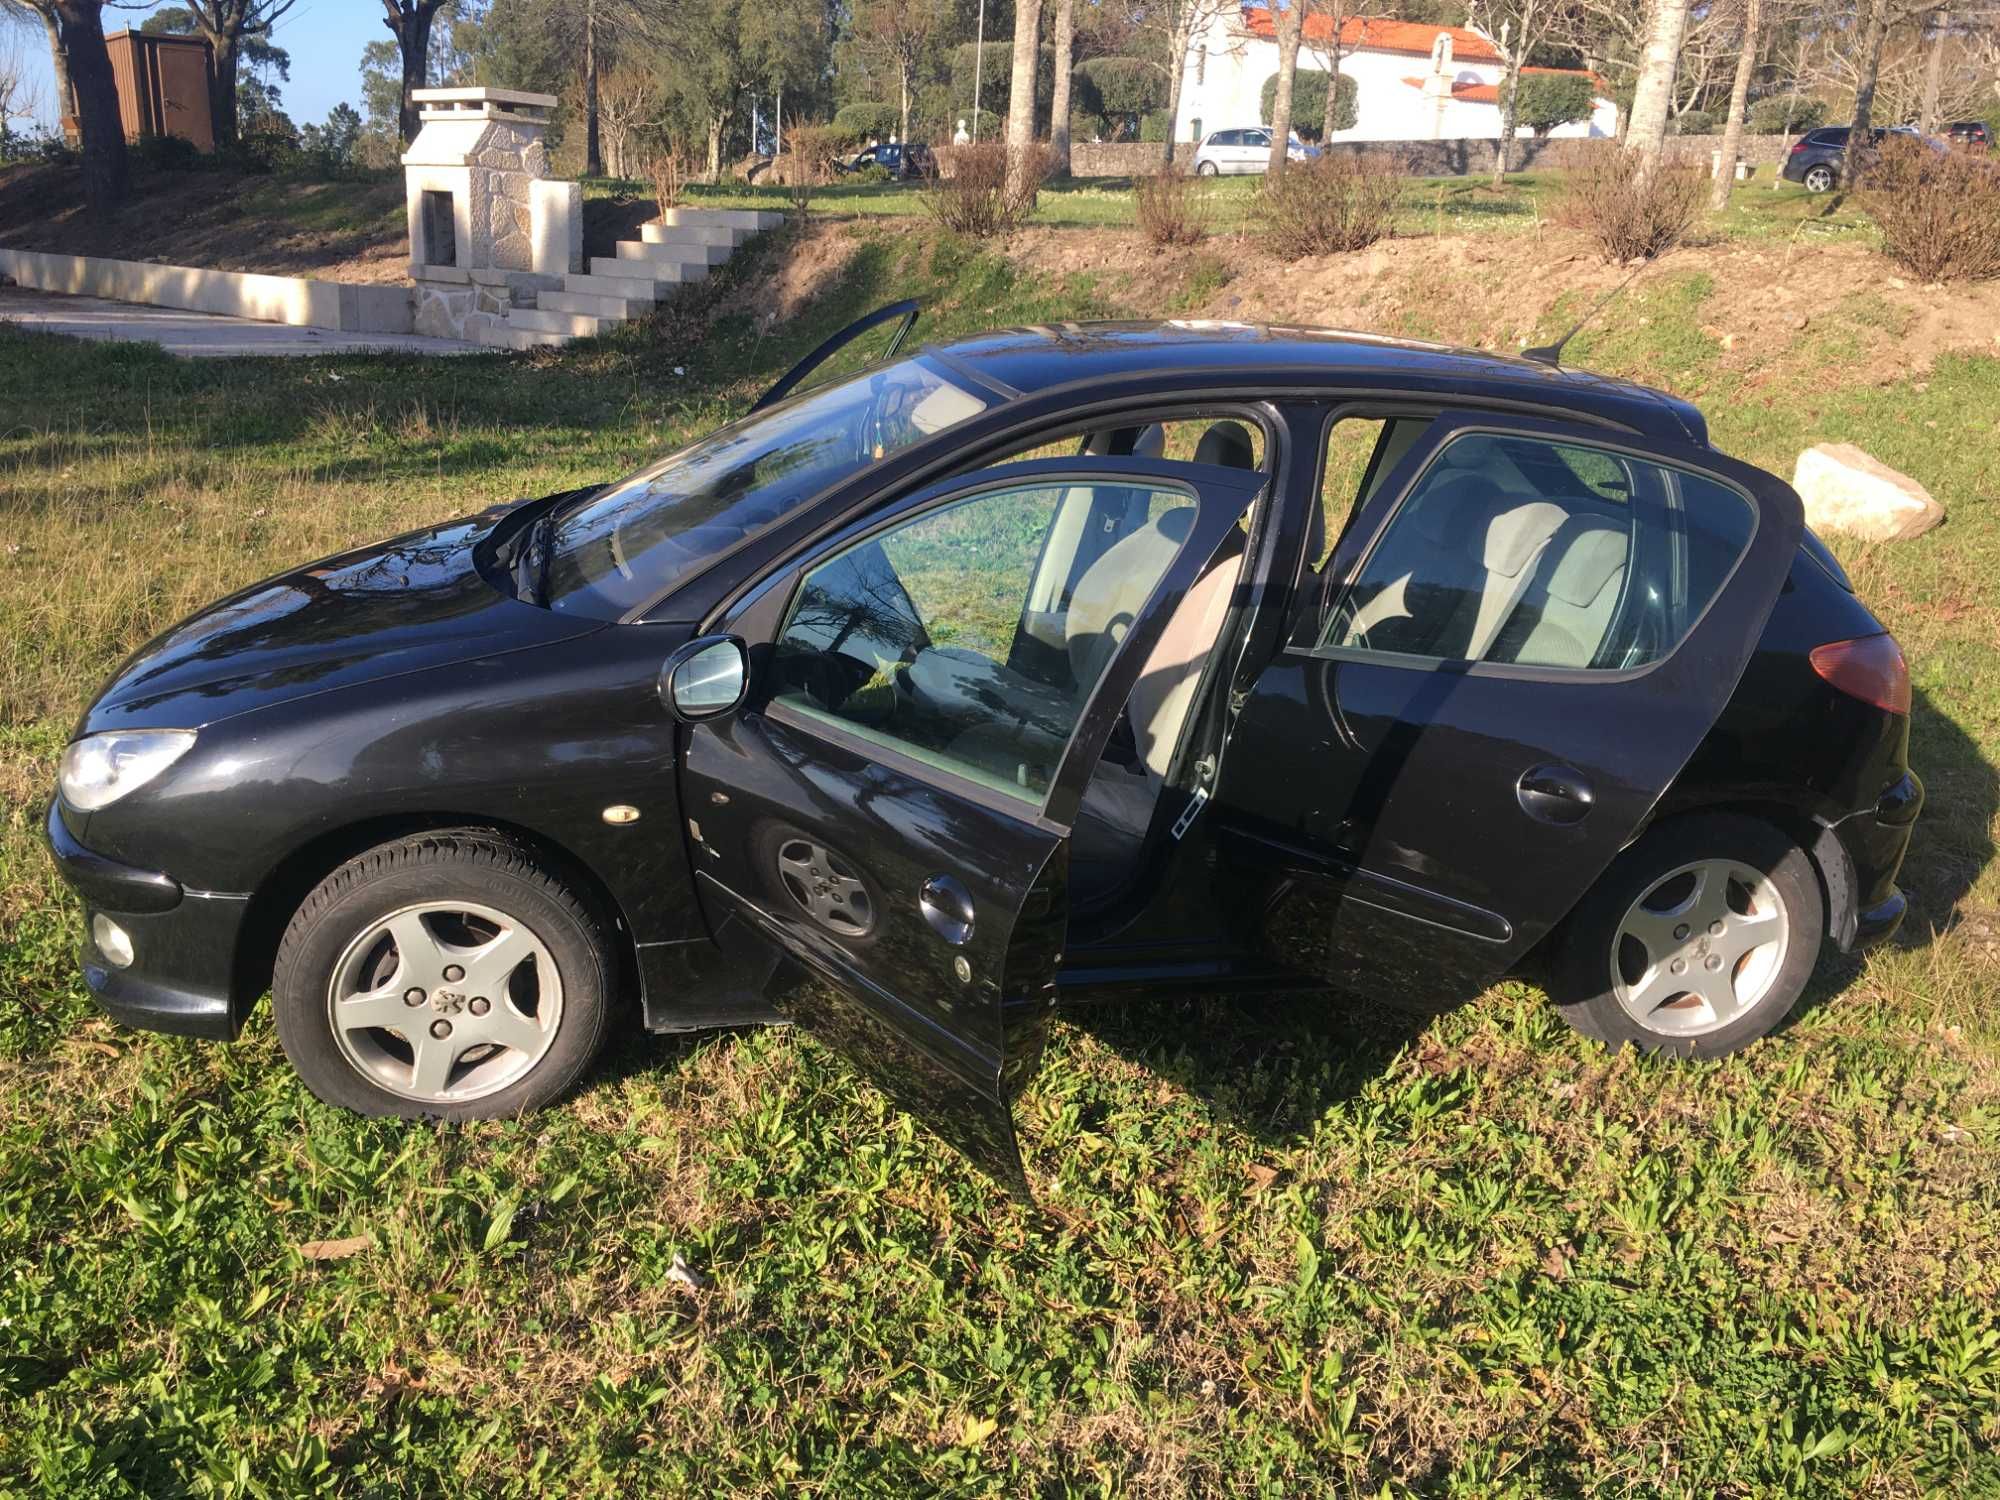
x,y
1340,201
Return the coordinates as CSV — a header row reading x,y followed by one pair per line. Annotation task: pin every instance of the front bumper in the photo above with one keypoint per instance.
x,y
184,943
1875,841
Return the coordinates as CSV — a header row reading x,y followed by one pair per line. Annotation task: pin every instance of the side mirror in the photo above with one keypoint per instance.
x,y
706,678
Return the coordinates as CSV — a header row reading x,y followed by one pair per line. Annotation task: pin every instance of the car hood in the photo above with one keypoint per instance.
x,y
404,605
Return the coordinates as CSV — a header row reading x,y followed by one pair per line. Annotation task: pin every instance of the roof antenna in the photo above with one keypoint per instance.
x,y
1551,354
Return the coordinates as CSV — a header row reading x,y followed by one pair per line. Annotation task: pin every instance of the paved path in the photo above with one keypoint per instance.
x,y
200,335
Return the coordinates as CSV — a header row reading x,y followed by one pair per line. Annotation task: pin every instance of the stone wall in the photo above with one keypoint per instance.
x,y
1453,158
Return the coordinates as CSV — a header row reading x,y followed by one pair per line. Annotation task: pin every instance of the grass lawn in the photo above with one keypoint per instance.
x,y
1284,1248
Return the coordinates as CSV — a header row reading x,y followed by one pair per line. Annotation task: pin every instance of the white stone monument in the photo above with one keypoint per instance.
x,y
489,229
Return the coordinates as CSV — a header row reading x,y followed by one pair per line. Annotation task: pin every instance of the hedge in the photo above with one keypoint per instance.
x,y
866,122
1308,103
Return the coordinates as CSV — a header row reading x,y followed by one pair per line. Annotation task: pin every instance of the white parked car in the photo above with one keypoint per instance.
x,y
1229,152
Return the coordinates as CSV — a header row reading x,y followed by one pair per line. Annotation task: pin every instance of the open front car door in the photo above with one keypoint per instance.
x,y
898,318
1517,645
890,809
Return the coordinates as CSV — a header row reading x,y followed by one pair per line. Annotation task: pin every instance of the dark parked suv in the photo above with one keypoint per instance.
x,y
1972,134
1056,662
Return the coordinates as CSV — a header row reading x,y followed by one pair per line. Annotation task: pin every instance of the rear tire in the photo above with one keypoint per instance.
x,y
1697,940
1820,179
443,976
1206,169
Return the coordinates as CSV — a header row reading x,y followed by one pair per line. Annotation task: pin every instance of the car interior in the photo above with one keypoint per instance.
x,y
863,647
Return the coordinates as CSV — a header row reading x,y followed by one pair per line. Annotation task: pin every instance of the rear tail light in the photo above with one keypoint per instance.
x,y
1797,147
1870,668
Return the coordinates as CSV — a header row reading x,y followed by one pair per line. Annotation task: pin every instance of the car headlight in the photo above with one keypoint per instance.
x,y
100,768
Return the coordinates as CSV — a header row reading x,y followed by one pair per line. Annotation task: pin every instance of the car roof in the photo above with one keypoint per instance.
x,y
1115,355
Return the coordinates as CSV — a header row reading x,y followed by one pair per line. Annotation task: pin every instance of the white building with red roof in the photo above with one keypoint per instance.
x,y
1412,82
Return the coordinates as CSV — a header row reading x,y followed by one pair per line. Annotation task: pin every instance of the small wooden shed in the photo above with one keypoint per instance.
x,y
163,86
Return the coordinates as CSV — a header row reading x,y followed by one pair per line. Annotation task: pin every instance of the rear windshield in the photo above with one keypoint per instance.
x,y
633,542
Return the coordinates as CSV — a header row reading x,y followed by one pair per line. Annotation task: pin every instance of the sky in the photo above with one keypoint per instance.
x,y
324,37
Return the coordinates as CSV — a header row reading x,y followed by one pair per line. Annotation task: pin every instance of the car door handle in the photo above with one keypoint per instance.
x,y
1555,794
947,906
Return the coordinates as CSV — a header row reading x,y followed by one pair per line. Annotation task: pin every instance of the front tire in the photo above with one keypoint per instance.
x,y
1698,940
445,976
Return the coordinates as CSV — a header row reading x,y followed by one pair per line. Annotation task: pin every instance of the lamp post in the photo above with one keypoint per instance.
x,y
978,64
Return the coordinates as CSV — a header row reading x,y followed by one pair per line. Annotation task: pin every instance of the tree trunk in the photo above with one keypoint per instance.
x,y
222,87
1291,25
903,124
593,155
1873,23
1934,70
715,125
1646,131
410,23
1332,110
1739,100
1510,89
97,122
1059,107
1021,98
59,65
1175,74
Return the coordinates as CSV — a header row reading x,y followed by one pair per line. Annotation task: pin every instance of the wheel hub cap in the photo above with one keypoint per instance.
x,y
1700,948
443,1002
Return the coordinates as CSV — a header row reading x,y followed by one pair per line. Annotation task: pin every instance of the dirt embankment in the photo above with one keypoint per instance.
x,y
219,220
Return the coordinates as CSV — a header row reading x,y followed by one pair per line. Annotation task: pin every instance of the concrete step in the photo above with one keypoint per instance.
x,y
694,234
663,271
634,280
732,218
500,336
575,324
616,308
686,254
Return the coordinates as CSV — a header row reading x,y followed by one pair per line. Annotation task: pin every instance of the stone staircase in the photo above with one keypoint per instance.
x,y
684,248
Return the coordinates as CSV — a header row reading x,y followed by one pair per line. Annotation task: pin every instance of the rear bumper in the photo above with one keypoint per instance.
x,y
183,943
1875,841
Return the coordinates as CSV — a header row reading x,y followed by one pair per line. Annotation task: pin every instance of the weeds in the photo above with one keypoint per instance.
x,y
1339,201
1170,208
971,194
810,152
669,172
1631,212
1939,211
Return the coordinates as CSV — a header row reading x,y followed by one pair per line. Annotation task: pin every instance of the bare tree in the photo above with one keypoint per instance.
x,y
1059,103
1021,99
1873,23
898,34
1291,26
1652,99
628,100
96,93
1334,13
1171,26
44,11
19,98
1513,29
1739,100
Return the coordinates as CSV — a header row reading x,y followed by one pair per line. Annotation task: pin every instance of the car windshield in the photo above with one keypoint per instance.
x,y
630,543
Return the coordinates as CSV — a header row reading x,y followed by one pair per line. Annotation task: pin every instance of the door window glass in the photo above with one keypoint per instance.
x,y
926,638
1538,553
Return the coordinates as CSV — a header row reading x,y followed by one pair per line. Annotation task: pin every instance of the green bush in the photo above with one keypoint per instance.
x,y
1309,102
1697,122
1113,86
1784,115
866,122
166,153
1544,101
1154,127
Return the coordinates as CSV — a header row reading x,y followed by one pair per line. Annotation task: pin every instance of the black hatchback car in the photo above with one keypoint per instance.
x,y
1055,662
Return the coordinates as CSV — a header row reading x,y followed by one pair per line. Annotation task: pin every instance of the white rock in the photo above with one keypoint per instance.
x,y
1844,489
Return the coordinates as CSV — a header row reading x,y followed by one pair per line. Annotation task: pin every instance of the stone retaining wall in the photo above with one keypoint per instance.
x,y
1453,158
269,299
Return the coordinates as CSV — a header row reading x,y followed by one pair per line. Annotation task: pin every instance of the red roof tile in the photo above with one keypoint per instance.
x,y
1377,34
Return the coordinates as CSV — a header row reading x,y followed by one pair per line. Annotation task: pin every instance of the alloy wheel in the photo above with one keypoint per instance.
x,y
825,888
444,1001
1818,180
1700,948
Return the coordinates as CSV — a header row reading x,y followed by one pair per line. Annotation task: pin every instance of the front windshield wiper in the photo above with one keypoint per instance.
x,y
534,548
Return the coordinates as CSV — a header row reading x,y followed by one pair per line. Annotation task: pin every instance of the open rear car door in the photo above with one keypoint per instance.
x,y
888,813
899,317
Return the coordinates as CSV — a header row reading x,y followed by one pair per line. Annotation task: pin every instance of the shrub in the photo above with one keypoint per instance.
x,y
866,122
1309,102
1939,211
1171,210
1631,213
810,152
970,195
1785,115
1695,122
1118,86
166,153
1544,101
669,172
1344,200
1154,127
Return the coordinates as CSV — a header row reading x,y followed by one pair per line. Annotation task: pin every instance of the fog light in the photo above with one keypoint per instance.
x,y
113,941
